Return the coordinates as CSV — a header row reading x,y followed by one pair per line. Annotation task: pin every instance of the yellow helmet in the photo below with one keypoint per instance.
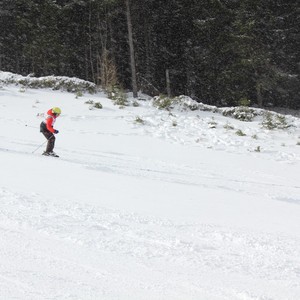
x,y
56,110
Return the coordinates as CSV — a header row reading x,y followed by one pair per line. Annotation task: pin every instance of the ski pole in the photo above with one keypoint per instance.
x,y
30,126
42,144
39,146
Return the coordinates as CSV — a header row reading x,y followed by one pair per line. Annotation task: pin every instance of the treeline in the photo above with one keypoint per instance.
x,y
220,52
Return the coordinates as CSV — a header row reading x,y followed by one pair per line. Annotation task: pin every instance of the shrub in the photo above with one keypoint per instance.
x,y
162,102
186,103
79,94
183,103
135,104
93,104
274,121
89,102
244,102
212,123
74,85
117,95
257,149
98,105
240,133
241,113
227,126
139,120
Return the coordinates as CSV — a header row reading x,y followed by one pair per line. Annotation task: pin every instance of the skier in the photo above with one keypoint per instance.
x,y
48,131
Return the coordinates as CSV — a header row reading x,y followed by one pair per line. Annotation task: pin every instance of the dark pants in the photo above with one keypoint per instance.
x,y
49,136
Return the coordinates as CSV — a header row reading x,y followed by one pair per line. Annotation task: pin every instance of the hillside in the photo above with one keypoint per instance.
x,y
146,203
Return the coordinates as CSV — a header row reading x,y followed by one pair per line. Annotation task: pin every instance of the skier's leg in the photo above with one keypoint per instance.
x,y
51,140
51,143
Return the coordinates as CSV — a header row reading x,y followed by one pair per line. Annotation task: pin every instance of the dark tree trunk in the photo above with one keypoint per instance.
x,y
131,49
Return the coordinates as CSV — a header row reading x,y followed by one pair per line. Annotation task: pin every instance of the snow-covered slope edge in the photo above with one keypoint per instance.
x,y
54,82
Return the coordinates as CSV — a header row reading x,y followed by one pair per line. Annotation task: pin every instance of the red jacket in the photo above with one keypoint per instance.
x,y
50,120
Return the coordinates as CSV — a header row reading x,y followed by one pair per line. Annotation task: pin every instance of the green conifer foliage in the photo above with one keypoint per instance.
x,y
218,52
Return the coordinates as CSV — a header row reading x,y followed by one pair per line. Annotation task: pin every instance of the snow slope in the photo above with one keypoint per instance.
x,y
174,208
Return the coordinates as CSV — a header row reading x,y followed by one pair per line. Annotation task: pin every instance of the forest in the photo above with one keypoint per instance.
x,y
219,52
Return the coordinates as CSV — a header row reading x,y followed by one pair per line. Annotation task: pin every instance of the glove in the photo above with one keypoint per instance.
x,y
56,131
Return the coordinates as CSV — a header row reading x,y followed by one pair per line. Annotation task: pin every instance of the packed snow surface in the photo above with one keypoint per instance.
x,y
145,204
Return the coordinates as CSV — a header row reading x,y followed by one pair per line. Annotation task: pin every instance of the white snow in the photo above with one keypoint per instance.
x,y
179,207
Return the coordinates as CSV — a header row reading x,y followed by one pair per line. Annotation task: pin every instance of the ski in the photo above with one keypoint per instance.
x,y
50,154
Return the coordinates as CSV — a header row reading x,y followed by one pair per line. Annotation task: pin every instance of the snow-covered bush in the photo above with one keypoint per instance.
x,y
163,102
239,132
98,105
274,121
241,113
182,103
93,104
73,85
135,103
227,126
139,120
117,95
212,123
186,103
257,149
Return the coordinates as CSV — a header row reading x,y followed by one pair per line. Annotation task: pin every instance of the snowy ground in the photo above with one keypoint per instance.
x,y
145,211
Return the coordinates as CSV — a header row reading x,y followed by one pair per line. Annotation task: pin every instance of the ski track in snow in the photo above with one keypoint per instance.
x,y
167,172
199,248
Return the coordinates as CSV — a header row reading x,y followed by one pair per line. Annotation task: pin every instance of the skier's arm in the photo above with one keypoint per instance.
x,y
49,124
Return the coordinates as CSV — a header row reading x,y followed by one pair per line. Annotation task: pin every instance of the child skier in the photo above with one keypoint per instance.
x,y
48,131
